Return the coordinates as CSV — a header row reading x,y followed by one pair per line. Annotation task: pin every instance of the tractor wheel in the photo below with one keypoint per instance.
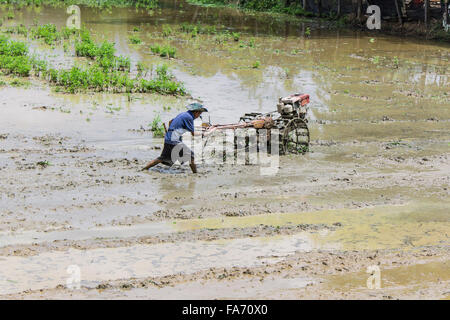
x,y
295,138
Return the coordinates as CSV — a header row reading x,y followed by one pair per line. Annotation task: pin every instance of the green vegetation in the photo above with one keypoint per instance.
x,y
43,164
195,29
256,65
157,127
163,83
375,59
14,57
146,4
250,44
275,6
166,30
308,31
20,29
397,143
106,71
18,83
135,40
47,32
164,51
142,69
396,62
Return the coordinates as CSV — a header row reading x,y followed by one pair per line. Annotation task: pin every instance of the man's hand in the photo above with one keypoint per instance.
x,y
210,130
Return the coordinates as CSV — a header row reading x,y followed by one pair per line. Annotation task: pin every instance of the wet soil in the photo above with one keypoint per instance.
x,y
373,190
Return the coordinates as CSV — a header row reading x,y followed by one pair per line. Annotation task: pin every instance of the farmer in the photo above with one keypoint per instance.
x,y
182,123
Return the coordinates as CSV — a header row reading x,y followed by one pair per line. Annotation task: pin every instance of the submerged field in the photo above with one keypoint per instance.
x,y
373,190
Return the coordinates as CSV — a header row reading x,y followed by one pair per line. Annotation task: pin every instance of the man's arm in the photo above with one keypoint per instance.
x,y
204,133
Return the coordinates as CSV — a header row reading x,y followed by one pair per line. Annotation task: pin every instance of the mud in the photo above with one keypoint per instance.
x,y
373,190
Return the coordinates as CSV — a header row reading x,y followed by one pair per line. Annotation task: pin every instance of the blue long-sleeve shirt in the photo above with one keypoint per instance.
x,y
182,123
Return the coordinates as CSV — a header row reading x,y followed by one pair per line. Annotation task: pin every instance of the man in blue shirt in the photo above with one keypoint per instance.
x,y
182,123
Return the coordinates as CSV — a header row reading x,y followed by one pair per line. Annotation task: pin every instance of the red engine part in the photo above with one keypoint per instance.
x,y
301,98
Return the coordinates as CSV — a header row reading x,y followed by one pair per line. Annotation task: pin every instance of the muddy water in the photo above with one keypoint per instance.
x,y
376,178
49,270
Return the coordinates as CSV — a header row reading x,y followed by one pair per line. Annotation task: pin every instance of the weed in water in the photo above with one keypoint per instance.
x,y
308,31
256,65
18,83
157,127
44,163
396,62
166,30
135,40
376,60
47,32
164,51
142,69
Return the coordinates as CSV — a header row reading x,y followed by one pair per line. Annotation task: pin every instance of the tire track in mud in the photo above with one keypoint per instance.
x,y
262,230
316,267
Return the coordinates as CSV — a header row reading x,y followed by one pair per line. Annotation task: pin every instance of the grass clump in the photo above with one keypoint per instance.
x,y
142,69
47,32
14,57
163,83
103,54
166,30
135,40
256,65
43,164
157,127
195,29
20,29
164,51
95,78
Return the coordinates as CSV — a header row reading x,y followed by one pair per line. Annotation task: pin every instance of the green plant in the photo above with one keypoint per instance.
x,y
135,39
308,31
13,57
376,60
47,32
18,83
157,127
107,72
396,62
164,51
44,163
142,68
256,65
166,30
66,32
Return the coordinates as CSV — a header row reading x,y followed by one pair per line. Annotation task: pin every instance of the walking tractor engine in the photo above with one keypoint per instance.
x,y
289,119
293,106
